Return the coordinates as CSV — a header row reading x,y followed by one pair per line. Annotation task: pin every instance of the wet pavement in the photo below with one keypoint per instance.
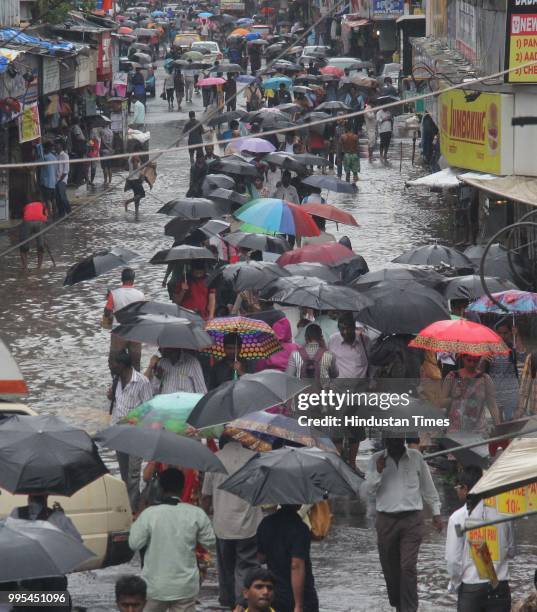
x,y
56,337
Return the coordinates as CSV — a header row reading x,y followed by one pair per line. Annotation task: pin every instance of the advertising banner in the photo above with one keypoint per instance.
x,y
388,8
521,41
29,125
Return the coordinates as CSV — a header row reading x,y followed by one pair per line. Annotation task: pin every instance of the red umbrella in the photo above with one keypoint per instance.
x,y
332,213
332,70
459,336
329,253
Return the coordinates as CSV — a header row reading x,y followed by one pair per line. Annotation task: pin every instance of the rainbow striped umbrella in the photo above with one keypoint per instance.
x,y
258,340
278,215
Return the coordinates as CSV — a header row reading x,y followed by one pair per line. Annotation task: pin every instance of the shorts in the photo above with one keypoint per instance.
x,y
28,229
137,187
351,162
106,163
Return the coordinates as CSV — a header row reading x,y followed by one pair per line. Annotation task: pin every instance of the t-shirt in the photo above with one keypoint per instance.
x,y
280,537
197,296
195,131
384,120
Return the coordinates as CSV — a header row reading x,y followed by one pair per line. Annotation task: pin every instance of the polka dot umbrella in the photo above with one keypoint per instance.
x,y
258,340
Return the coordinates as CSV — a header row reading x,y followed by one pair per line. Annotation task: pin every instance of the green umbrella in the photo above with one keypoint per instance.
x,y
169,411
193,55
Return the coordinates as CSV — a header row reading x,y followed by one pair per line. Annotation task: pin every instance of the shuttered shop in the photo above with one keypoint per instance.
x,y
9,12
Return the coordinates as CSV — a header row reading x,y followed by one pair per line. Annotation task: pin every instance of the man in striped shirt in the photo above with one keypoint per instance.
x,y
130,389
176,370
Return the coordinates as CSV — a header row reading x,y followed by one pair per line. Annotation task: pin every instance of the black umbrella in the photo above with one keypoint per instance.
x,y
180,228
470,287
248,393
226,67
497,262
313,270
435,255
160,445
192,208
289,107
308,78
43,454
272,121
258,242
38,549
183,252
228,195
135,309
98,263
399,273
234,166
293,476
402,308
226,117
311,160
214,181
333,106
164,331
352,269
331,183
214,227
313,293
287,161
246,275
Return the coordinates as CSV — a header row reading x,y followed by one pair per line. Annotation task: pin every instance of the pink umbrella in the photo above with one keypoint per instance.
x,y
210,81
332,70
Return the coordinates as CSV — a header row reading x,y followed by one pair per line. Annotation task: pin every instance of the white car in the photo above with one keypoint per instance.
x,y
213,48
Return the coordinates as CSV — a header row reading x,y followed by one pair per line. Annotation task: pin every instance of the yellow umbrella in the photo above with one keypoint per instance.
x,y
239,32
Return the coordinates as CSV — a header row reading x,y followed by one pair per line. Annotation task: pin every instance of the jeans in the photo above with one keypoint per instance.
x,y
189,88
62,203
385,139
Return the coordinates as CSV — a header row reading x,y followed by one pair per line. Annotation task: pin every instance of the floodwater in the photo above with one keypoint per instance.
x,y
56,337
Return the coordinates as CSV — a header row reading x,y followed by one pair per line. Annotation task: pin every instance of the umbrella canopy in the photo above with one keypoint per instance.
x,y
238,33
293,476
253,145
435,255
311,160
313,293
227,67
210,81
245,21
38,549
289,107
273,121
258,242
399,273
160,445
329,253
460,337
278,215
332,71
516,467
247,394
331,183
225,118
470,287
180,227
331,213
333,106
192,208
183,252
275,82
193,55
313,270
214,181
280,426
135,309
98,263
253,36
246,275
125,30
258,340
497,262
246,78
215,227
286,161
143,58
164,331
514,302
43,454
234,166
402,308
227,195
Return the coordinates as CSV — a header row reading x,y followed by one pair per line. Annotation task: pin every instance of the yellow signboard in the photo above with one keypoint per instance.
x,y
512,502
29,125
476,537
521,41
470,130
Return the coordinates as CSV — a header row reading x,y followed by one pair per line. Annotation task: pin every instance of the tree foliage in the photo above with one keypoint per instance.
x,y
55,11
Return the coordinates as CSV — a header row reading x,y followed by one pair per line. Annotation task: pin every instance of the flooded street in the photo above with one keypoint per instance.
x,y
56,337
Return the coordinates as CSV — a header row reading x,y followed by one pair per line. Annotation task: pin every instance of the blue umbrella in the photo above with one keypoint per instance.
x,y
253,36
245,21
244,78
158,14
205,15
275,82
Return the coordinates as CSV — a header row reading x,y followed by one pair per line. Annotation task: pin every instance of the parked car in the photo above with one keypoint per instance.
x,y
100,511
213,48
184,40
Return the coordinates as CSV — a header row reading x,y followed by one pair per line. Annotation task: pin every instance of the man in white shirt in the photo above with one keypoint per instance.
x,y
475,594
116,300
62,175
385,129
235,524
286,191
138,119
400,480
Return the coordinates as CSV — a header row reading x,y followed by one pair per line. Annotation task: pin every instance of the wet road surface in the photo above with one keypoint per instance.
x,y
56,337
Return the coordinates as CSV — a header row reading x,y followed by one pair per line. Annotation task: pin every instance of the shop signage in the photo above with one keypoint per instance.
x,y
521,41
51,75
471,130
388,8
104,59
29,126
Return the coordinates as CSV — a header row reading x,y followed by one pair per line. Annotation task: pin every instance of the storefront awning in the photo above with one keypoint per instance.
x,y
517,188
448,178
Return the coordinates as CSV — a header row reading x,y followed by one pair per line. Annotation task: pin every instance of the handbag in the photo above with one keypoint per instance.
x,y
163,95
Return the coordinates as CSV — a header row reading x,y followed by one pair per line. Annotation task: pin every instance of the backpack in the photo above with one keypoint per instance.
x,y
311,366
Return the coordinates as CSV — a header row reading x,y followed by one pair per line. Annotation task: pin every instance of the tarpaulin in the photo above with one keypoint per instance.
x,y
6,57
16,36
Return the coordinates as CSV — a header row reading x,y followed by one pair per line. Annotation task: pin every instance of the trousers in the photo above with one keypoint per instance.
x,y
483,598
399,537
189,88
130,468
234,558
62,202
